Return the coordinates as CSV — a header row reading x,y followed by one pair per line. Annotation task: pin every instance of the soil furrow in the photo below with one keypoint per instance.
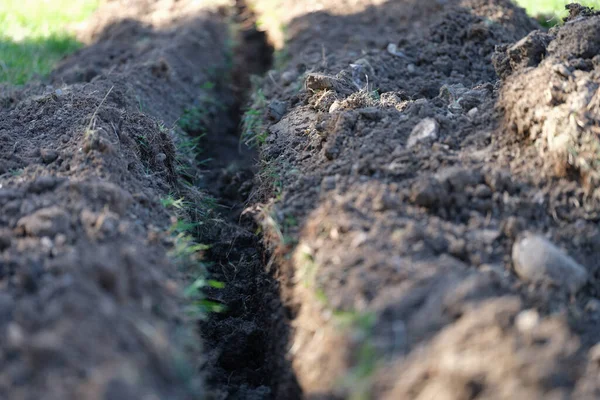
x,y
404,206
247,342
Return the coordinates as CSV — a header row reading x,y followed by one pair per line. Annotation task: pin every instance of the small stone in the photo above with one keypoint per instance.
x,y
537,260
65,138
472,112
48,155
411,68
392,48
335,106
276,110
425,130
527,320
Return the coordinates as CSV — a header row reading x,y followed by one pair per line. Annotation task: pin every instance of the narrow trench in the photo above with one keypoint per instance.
x,y
245,345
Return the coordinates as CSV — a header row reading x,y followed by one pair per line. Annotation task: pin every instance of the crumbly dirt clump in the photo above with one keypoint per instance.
x,y
551,96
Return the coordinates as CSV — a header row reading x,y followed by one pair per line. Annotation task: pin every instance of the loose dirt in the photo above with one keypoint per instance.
x,y
415,216
404,174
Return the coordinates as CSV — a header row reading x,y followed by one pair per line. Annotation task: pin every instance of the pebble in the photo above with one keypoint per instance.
x,y
335,106
277,110
425,130
527,320
48,155
393,50
537,260
472,112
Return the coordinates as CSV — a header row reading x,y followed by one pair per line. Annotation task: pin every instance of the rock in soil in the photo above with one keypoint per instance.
x,y
537,260
426,130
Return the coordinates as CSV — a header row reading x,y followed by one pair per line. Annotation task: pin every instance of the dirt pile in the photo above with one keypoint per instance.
x,y
91,305
393,197
423,176
550,95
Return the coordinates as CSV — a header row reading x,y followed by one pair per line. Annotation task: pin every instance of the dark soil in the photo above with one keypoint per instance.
x,y
91,305
402,273
417,217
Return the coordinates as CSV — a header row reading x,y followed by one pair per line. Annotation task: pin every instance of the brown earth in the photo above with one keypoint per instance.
x,y
416,218
92,270
397,248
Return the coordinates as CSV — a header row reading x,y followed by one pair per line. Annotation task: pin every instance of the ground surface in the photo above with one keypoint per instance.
x,y
416,218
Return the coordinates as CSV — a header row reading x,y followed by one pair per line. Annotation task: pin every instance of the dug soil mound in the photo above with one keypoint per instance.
x,y
407,209
91,305
423,250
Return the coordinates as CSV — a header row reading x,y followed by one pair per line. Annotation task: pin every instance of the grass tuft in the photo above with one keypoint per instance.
x,y
551,12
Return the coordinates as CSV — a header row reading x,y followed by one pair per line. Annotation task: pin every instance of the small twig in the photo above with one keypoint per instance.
x,y
98,108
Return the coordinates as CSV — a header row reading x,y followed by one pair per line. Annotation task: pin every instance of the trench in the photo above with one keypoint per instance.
x,y
245,345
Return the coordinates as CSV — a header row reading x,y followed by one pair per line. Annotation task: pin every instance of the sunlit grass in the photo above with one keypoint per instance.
x,y
34,35
551,12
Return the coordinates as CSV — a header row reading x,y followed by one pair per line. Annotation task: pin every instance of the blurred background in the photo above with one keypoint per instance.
x,y
36,34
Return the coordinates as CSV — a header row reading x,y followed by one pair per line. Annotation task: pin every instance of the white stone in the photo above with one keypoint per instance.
x,y
425,130
527,320
335,106
537,260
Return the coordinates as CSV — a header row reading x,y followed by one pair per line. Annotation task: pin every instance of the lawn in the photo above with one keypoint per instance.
x,y
550,12
34,35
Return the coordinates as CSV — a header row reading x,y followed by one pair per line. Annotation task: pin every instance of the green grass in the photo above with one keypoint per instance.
x,y
551,12
34,35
